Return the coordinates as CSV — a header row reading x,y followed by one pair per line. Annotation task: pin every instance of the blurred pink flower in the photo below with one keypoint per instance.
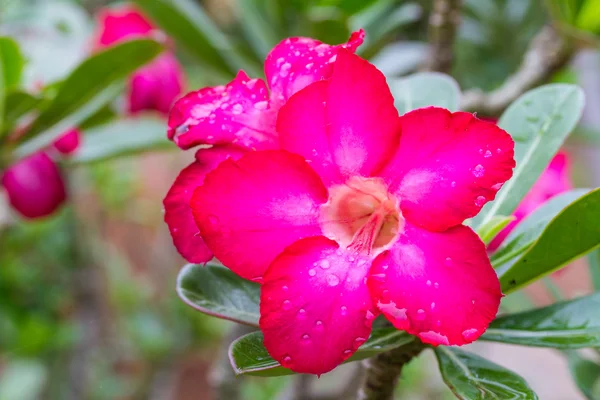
x,y
154,86
34,186
68,142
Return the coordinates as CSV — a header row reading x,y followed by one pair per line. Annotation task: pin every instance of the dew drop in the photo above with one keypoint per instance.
x,y
480,201
478,171
285,69
280,61
432,305
436,285
428,283
325,264
379,277
319,326
309,65
453,183
333,280
448,262
213,219
360,340
470,334
306,336
344,310
286,305
312,272
369,316
261,105
487,154
385,267
301,313
287,360
438,323
420,315
351,258
480,151
284,288
237,109
346,352
498,150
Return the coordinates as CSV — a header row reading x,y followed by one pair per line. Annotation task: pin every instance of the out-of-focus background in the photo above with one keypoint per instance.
x,y
87,302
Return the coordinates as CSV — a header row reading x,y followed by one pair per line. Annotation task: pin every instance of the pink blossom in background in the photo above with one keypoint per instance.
x,y
34,186
68,142
554,180
236,118
359,213
154,86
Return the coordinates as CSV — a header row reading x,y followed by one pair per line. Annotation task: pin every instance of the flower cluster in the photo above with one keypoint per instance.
x,y
340,208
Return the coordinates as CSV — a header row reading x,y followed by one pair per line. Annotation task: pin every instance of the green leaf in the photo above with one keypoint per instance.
x,y
566,325
594,265
471,377
12,62
522,237
120,138
586,374
588,17
539,121
571,234
95,82
19,103
187,23
248,355
217,291
257,26
425,89
489,231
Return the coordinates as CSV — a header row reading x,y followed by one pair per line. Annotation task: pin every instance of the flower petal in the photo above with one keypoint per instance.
x,y
315,307
297,62
249,210
156,85
345,127
68,142
448,166
178,213
437,285
34,186
237,113
118,24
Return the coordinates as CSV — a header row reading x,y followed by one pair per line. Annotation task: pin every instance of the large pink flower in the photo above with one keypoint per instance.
x,y
237,118
554,180
359,214
156,85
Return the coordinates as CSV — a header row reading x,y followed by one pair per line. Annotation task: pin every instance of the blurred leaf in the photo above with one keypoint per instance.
x,y
472,377
400,58
257,26
249,357
187,22
100,117
493,227
522,237
19,103
570,324
22,380
588,17
120,138
586,374
539,121
594,266
217,291
424,89
95,82
12,62
572,233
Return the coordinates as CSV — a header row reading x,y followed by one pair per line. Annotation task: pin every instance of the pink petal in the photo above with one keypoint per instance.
x,y
297,62
118,24
344,127
68,142
238,113
178,213
249,210
437,285
315,308
448,166
156,85
35,186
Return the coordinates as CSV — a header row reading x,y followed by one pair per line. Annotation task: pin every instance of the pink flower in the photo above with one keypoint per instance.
x,y
156,85
68,142
359,213
554,180
34,186
236,118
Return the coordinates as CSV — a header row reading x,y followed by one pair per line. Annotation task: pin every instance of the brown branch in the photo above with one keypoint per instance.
x,y
548,52
443,24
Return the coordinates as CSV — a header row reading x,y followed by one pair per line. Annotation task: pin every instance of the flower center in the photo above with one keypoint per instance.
x,y
362,215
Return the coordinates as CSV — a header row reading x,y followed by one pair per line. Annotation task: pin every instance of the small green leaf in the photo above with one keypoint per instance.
x,y
95,82
12,62
489,231
425,89
19,103
120,138
570,234
586,374
248,355
566,325
471,377
217,291
539,122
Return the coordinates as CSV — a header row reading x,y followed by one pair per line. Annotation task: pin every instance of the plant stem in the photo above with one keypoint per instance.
x,y
382,371
443,24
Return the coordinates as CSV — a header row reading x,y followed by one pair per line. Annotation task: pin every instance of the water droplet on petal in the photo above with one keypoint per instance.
x,y
360,340
346,352
284,288
280,61
470,334
478,171
306,336
420,315
385,267
448,262
369,316
487,154
436,285
237,109
453,184
319,326
344,310
480,151
480,201
213,219
301,313
333,280
287,360
498,150
379,277
432,305
428,283
325,264
286,305
312,272
309,65
261,105
285,69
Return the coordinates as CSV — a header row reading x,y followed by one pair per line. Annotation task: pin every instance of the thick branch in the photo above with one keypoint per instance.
x,y
443,23
548,52
382,372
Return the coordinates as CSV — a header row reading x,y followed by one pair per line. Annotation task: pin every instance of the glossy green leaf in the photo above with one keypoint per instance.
x,y
522,237
588,17
539,122
570,234
471,377
120,138
586,374
12,62
248,355
187,23
425,89
19,103
95,82
217,291
491,228
566,325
